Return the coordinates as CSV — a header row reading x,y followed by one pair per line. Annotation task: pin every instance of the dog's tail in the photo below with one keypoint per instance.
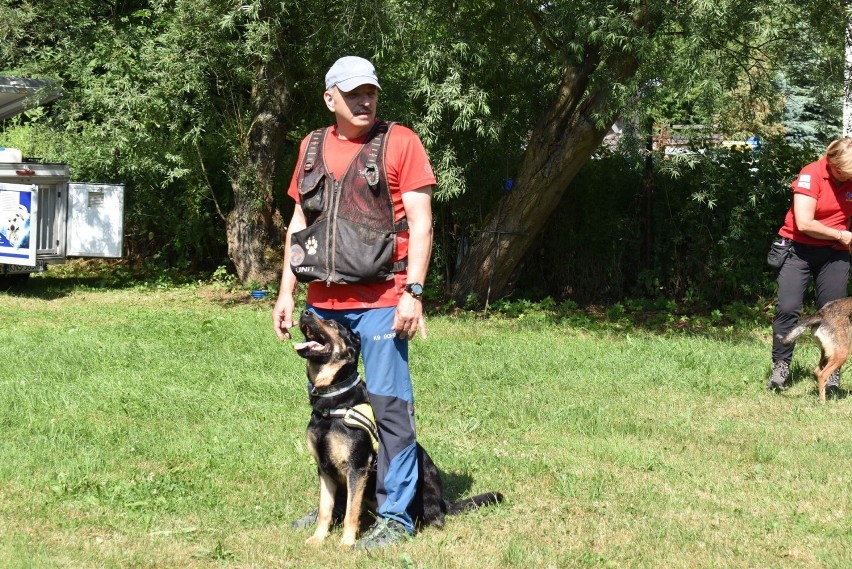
x,y
800,328
473,503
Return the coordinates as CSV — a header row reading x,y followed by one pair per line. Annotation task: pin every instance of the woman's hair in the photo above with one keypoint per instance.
x,y
839,154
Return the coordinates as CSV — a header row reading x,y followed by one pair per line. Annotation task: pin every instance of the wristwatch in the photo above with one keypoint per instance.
x,y
414,289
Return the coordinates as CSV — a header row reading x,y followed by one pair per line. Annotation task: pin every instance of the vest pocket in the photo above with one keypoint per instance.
x,y
309,253
363,254
312,192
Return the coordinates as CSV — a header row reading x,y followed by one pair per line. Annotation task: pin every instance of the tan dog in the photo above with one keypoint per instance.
x,y
832,327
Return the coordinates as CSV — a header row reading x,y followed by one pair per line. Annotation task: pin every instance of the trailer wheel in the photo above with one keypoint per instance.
x,y
11,282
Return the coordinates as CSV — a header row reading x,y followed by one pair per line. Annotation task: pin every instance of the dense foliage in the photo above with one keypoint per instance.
x,y
167,96
700,236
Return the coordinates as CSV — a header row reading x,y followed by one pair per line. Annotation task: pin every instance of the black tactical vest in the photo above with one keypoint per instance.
x,y
350,235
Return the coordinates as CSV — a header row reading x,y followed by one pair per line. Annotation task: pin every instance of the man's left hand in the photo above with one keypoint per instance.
x,y
408,318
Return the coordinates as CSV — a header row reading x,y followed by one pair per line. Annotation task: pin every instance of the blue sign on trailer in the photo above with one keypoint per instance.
x,y
18,219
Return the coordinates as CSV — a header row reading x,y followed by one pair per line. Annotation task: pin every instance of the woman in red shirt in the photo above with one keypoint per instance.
x,y
817,224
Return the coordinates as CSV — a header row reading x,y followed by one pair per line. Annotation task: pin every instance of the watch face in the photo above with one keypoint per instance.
x,y
415,289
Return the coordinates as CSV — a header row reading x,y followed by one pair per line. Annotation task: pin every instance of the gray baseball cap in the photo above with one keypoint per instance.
x,y
350,72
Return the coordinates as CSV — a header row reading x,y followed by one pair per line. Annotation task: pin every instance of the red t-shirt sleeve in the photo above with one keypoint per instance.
x,y
808,181
407,164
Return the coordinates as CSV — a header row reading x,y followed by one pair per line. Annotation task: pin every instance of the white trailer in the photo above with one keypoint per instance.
x,y
44,217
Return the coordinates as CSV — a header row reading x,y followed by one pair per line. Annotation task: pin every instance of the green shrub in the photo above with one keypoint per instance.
x,y
696,233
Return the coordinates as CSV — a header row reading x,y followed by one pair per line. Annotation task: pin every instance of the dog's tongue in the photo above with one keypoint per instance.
x,y
312,346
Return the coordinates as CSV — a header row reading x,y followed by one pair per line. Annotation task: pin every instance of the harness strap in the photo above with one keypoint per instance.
x,y
359,417
381,130
379,133
312,151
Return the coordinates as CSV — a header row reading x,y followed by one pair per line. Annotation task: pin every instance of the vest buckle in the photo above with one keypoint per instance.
x,y
371,173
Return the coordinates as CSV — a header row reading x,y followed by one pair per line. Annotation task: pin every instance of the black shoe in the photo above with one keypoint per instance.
x,y
780,375
384,532
832,384
309,520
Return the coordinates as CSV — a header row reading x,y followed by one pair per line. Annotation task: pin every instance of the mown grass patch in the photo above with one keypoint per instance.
x,y
164,427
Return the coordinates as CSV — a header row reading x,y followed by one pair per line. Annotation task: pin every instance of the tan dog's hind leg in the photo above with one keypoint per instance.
x,y
326,504
821,376
835,349
834,362
354,500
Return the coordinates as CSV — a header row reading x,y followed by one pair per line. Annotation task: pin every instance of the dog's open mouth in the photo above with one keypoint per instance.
x,y
312,348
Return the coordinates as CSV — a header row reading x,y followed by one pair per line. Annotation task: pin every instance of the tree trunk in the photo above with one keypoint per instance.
x,y
255,228
562,142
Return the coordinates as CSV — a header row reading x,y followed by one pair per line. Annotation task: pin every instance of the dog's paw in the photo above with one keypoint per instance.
x,y
315,540
347,540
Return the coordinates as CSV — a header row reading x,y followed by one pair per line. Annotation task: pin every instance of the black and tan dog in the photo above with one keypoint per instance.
x,y
832,327
342,442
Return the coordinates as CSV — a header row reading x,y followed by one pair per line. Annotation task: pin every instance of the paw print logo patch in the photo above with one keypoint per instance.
x,y
311,245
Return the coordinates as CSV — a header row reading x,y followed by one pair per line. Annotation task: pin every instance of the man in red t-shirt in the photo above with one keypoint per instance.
x,y
385,314
817,229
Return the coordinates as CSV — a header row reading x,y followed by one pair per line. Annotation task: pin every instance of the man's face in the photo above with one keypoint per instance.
x,y
356,108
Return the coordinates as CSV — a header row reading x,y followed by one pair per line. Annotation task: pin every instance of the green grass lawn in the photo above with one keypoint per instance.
x,y
146,427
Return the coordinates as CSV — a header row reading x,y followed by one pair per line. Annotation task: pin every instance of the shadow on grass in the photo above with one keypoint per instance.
x,y
227,298
803,373
799,373
601,319
456,485
656,316
51,288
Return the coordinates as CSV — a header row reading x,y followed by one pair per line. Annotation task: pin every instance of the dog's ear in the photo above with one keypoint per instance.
x,y
356,339
353,338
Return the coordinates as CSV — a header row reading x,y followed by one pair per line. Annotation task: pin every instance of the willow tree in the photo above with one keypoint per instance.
x,y
591,61
254,226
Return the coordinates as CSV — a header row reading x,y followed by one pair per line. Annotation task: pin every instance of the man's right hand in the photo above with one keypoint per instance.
x,y
282,315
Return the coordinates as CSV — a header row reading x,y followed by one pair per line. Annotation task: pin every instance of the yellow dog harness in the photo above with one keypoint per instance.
x,y
359,417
